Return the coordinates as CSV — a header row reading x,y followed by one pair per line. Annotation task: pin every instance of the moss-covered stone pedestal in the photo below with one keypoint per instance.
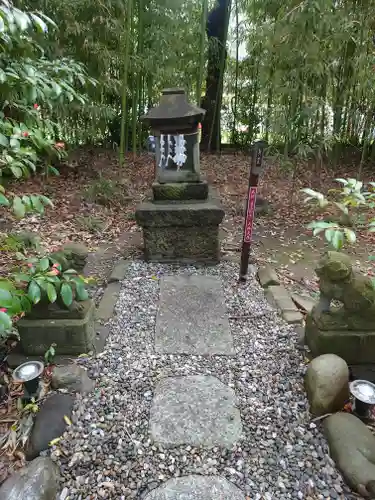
x,y
347,330
181,230
355,347
73,331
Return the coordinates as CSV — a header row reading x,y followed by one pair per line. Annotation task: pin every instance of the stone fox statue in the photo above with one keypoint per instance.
x,y
339,281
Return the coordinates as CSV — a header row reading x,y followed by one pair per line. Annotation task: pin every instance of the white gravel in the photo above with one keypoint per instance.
x,y
107,452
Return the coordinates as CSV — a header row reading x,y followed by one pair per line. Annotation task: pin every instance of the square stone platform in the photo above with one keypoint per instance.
x,y
181,231
72,336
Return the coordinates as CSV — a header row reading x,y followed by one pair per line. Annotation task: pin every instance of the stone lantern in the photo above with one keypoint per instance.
x,y
181,221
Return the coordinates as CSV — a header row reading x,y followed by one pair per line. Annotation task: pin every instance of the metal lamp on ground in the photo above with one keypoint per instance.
x,y
29,374
364,394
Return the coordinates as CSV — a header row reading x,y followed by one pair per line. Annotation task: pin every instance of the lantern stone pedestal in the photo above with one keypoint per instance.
x,y
185,230
181,221
72,331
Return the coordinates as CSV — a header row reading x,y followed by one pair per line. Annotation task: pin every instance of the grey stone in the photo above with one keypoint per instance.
x,y
72,377
187,214
304,302
192,317
279,297
356,347
327,384
196,487
292,317
39,480
119,271
49,423
181,231
267,276
180,191
352,447
108,302
196,410
72,336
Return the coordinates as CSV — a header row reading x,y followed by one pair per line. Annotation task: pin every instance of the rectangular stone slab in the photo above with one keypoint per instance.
x,y
192,317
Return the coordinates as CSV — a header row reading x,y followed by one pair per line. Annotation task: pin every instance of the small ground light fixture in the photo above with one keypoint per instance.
x,y
29,374
363,392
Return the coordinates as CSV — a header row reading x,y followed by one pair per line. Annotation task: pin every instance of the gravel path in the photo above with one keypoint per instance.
x,y
107,452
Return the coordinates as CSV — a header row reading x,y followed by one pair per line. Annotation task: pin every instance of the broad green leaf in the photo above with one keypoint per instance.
x,y
4,140
16,171
51,292
81,292
34,293
39,23
14,143
4,201
5,322
350,235
18,207
321,224
44,264
45,200
6,298
21,277
66,294
36,203
53,170
26,304
342,181
337,240
21,19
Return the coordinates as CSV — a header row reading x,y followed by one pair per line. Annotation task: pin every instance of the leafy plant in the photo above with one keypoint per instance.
x,y
106,192
41,280
50,354
349,200
32,87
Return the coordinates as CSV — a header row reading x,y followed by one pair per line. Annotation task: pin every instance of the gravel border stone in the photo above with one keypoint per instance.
x,y
108,452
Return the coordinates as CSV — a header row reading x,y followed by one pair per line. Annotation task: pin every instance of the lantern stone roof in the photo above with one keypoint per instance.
x,y
174,106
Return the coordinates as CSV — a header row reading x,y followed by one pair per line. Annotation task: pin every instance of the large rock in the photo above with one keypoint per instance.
x,y
327,384
196,487
39,480
352,447
72,377
49,423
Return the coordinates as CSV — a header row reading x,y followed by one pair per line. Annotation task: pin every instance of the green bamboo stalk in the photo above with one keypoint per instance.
x,y
135,90
236,76
140,78
124,113
202,51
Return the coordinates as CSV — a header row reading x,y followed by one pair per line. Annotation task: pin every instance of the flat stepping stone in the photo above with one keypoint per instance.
x,y
192,317
196,410
196,487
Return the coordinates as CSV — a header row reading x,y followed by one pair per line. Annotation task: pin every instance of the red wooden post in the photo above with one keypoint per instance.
x,y
255,171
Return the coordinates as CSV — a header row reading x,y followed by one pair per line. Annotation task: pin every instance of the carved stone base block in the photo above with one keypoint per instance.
x,y
181,231
72,336
355,347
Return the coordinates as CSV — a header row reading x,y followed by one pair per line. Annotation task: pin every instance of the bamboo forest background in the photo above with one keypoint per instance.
x,y
300,74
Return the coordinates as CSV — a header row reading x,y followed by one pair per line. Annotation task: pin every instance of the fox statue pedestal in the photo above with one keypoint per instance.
x,y
347,331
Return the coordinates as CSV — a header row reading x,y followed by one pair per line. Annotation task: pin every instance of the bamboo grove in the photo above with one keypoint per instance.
x,y
304,80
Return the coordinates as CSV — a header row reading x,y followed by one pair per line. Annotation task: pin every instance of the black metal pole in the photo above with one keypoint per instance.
x,y
255,171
